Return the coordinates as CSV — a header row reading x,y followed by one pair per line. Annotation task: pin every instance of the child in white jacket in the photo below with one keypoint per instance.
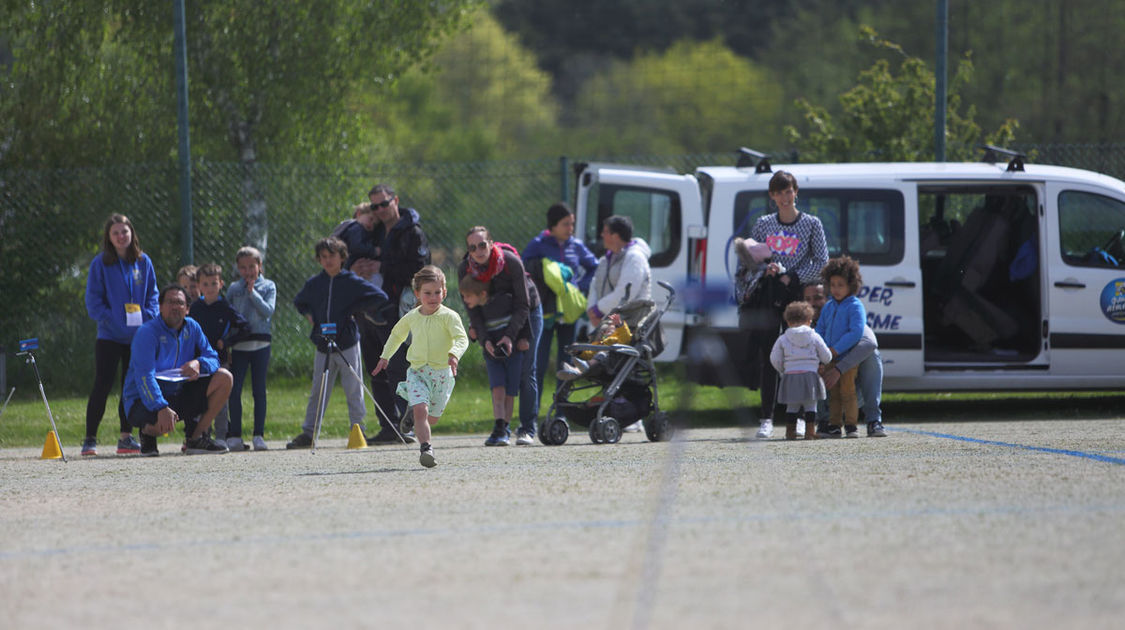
x,y
796,355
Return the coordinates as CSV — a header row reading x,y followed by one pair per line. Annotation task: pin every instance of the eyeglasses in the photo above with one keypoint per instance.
x,y
481,246
382,204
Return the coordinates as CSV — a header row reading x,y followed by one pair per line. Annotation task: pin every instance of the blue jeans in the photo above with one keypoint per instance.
x,y
257,361
505,371
565,334
529,377
868,388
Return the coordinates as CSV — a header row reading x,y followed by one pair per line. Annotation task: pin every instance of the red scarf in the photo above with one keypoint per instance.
x,y
495,265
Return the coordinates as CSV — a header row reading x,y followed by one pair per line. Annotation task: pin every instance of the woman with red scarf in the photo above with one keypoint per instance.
x,y
511,365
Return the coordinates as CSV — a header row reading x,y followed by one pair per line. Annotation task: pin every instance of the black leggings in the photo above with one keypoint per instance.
x,y
107,354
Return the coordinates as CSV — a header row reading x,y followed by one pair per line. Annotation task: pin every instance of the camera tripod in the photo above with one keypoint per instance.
x,y
27,348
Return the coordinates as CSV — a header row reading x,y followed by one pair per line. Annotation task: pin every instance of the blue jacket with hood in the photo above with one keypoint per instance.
x,y
156,348
110,287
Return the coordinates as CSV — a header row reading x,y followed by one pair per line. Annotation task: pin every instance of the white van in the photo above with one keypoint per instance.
x,y
977,276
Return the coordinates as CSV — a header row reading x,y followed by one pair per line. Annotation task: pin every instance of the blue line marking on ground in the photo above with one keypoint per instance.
x,y
1041,449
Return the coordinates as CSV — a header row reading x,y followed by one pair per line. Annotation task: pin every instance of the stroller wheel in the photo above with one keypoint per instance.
x,y
658,428
596,431
611,430
554,431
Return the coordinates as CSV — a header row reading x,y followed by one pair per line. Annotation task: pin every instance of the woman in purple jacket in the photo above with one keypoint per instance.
x,y
120,296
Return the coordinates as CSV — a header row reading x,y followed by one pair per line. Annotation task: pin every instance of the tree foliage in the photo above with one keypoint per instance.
x,y
692,95
889,117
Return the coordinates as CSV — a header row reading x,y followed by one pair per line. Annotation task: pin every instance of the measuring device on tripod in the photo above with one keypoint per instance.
x,y
27,348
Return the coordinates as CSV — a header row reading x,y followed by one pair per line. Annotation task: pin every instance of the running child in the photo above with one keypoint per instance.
x,y
437,342
841,325
797,355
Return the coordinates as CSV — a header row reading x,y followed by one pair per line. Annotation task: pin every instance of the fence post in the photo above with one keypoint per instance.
x,y
564,179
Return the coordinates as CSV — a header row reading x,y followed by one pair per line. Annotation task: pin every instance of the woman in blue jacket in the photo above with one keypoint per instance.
x,y
557,243
120,296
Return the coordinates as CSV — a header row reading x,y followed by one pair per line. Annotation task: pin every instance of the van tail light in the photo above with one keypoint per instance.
x,y
697,260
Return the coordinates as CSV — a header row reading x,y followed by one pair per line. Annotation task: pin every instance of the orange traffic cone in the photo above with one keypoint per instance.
x,y
356,439
51,448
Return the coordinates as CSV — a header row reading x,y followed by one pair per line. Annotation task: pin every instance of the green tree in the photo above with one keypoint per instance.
x,y
693,97
889,117
480,97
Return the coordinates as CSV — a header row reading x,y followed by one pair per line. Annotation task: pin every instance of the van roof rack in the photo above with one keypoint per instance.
x,y
749,157
993,153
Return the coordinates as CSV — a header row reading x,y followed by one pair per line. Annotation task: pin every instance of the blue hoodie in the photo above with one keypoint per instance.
x,y
110,287
573,253
335,299
841,323
156,348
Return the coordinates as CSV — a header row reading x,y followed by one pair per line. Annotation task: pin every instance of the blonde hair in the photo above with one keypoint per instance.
x,y
426,275
798,313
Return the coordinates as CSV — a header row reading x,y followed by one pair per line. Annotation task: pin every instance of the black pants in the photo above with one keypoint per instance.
x,y
107,354
372,339
759,344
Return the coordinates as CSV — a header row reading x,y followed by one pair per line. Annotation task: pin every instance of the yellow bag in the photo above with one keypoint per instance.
x,y
571,301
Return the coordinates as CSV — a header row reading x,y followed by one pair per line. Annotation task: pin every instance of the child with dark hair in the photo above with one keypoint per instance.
x,y
841,325
797,355
223,326
333,296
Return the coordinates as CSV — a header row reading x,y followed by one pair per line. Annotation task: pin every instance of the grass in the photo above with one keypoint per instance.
x,y
25,422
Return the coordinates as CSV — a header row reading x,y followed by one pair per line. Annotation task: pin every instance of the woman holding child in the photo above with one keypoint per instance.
x,y
505,316
787,250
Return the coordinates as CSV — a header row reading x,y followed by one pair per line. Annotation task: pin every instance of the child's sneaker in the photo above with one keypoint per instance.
x,y
90,446
500,435
236,445
765,430
568,373
523,438
875,429
826,430
427,457
260,443
148,446
303,440
851,431
128,445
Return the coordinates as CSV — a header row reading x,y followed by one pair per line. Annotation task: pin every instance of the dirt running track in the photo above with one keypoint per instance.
x,y
968,525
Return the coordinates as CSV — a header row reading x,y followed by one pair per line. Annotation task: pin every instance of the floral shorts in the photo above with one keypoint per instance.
x,y
429,385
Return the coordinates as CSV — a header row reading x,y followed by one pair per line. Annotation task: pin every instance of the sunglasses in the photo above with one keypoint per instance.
x,y
383,204
481,246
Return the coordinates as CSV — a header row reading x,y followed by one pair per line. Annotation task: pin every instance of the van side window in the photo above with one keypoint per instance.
x,y
864,224
656,217
1091,228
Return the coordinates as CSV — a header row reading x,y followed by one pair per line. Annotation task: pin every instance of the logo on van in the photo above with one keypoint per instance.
x,y
1113,301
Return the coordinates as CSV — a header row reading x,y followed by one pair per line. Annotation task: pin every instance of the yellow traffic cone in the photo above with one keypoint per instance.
x,y
356,439
51,448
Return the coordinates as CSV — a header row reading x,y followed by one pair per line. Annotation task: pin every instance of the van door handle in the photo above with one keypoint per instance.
x,y
1070,284
900,283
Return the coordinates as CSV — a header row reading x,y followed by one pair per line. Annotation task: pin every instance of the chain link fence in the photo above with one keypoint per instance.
x,y
51,228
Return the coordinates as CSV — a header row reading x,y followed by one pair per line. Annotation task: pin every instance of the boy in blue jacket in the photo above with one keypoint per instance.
x,y
174,375
223,327
334,296
841,325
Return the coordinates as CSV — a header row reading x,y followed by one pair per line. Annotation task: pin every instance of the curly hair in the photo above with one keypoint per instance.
x,y
845,267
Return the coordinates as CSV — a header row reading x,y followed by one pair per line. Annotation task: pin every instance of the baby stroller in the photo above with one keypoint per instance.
x,y
620,389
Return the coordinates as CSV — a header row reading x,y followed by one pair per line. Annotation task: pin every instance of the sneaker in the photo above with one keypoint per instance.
x,y
639,425
765,430
523,438
204,445
568,373
260,443
875,429
303,440
236,445
128,446
851,430
501,436
827,431
148,446
800,428
427,456
90,446
386,435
